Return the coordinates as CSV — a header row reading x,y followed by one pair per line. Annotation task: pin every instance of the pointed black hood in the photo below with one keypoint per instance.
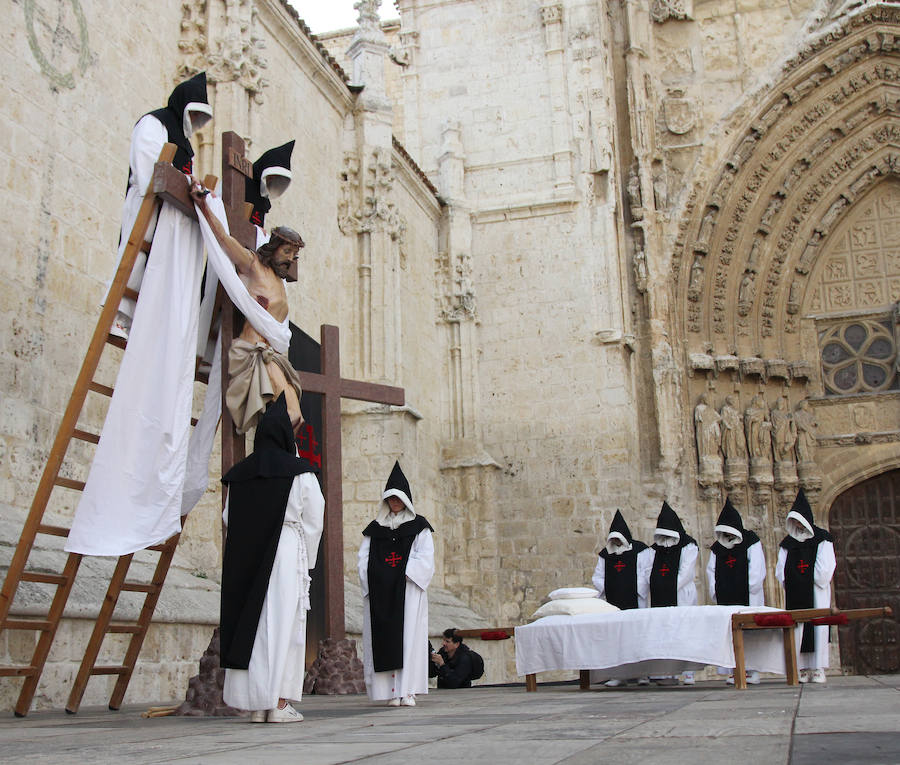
x,y
618,527
802,512
190,94
273,162
398,486
668,520
729,521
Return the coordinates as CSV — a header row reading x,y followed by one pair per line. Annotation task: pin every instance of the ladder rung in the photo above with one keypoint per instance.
x,y
119,342
34,576
110,670
68,483
83,435
139,587
99,388
28,624
56,531
121,627
202,377
130,294
17,671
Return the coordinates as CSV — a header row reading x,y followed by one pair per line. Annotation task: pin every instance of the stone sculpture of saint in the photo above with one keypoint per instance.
x,y
758,428
709,439
805,422
784,431
734,444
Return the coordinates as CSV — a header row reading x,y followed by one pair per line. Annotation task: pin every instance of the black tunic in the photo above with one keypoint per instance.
x,y
733,571
799,578
620,577
388,555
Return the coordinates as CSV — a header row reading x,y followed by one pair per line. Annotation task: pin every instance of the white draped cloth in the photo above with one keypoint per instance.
x,y
278,657
413,677
143,478
644,641
822,574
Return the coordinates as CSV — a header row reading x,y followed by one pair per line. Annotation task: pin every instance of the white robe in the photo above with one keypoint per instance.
x,y
644,564
413,677
278,657
824,570
756,574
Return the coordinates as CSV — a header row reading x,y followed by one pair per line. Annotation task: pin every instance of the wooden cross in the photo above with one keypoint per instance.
x,y
328,383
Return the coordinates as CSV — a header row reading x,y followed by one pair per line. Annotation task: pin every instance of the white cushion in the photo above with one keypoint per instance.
x,y
573,607
564,593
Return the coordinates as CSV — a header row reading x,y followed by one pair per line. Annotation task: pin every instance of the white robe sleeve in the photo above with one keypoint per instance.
x,y
147,140
599,577
825,564
687,569
225,511
420,566
362,565
779,565
312,518
711,576
644,568
756,573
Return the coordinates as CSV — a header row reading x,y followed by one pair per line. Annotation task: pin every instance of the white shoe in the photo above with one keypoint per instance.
x,y
394,703
284,715
615,683
753,677
258,716
121,326
644,681
804,676
408,701
688,679
818,676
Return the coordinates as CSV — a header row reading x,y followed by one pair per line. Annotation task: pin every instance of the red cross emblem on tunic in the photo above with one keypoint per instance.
x,y
393,559
664,569
803,565
619,565
730,561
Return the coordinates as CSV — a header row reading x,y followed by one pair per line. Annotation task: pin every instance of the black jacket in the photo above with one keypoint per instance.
x,y
456,672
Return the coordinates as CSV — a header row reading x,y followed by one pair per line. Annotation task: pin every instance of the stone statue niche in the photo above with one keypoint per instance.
x,y
709,441
805,447
758,429
784,439
734,442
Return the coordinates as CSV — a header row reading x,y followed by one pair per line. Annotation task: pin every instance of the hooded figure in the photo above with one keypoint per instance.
x,y
187,111
134,491
737,564
674,562
805,567
622,575
271,178
274,513
396,563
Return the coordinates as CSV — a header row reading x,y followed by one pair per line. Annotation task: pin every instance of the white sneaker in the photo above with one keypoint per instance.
x,y
284,715
753,677
644,681
804,676
688,678
408,701
818,676
258,716
394,703
615,683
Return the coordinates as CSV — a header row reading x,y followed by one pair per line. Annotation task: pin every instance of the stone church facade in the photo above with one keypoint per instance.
x,y
615,251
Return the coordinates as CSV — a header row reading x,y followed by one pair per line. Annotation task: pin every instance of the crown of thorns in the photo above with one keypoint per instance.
x,y
286,235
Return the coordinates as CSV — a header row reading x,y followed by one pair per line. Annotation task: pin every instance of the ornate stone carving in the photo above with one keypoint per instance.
x,y
551,14
457,303
679,113
784,438
236,53
639,265
734,444
633,188
695,286
746,293
758,428
369,208
709,441
663,10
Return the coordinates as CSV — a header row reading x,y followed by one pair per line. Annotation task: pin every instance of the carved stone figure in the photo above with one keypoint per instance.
x,y
784,431
805,422
758,428
633,188
746,293
734,444
640,270
709,441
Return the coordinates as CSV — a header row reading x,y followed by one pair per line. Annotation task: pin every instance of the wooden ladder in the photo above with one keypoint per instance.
x,y
51,478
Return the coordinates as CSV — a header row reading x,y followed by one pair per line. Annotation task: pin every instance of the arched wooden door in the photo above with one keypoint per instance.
x,y
865,524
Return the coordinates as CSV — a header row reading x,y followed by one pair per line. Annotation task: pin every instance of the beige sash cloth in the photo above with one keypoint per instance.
x,y
249,387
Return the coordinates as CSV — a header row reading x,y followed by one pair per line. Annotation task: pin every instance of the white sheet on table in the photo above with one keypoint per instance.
x,y
698,635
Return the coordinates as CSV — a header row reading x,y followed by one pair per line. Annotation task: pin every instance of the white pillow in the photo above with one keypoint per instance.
x,y
564,593
573,607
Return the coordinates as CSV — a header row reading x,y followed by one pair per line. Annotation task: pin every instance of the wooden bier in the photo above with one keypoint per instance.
x,y
789,620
